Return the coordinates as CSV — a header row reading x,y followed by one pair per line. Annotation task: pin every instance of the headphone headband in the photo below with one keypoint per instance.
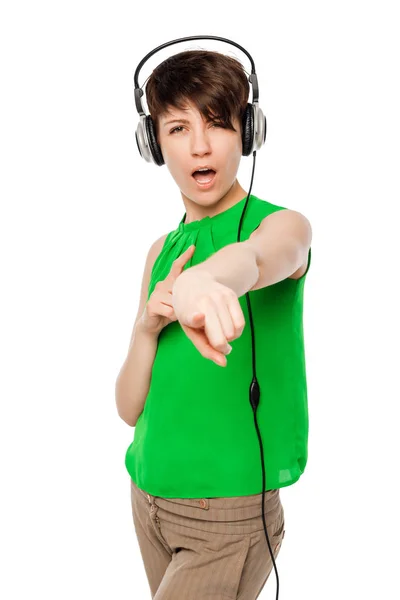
x,y
139,92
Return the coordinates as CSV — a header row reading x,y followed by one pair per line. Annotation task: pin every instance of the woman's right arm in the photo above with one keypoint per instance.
x,y
133,381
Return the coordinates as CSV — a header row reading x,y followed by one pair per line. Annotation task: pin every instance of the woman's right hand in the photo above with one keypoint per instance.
x,y
159,311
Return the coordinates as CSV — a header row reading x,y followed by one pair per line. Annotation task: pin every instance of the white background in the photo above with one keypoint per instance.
x,y
79,210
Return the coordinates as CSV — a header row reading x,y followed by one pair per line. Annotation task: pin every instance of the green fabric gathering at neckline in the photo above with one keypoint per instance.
x,y
207,220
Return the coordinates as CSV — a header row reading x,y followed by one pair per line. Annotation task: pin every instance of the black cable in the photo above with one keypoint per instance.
x,y
254,391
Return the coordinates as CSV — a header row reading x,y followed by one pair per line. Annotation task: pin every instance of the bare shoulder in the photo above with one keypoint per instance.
x,y
155,250
151,258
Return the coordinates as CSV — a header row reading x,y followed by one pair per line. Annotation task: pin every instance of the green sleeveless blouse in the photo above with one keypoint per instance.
x,y
196,435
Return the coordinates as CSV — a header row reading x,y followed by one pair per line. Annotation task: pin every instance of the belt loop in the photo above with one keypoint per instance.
x,y
204,503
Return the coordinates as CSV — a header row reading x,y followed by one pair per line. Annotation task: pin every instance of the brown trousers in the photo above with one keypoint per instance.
x,y
207,548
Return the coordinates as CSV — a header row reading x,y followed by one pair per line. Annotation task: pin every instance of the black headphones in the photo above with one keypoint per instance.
x,y
254,123
254,130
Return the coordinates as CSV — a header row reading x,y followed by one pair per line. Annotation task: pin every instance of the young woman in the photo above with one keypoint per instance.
x,y
194,464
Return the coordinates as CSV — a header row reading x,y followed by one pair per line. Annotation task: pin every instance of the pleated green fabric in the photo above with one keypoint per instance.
x,y
196,435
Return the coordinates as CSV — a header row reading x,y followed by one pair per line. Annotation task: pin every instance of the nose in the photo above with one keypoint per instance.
x,y
200,141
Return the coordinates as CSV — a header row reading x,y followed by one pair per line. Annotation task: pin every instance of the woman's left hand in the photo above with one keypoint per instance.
x,y
219,316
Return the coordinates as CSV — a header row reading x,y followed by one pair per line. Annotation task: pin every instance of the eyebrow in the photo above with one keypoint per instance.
x,y
184,121
177,121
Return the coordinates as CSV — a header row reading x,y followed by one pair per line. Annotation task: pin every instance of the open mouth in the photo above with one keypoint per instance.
x,y
204,178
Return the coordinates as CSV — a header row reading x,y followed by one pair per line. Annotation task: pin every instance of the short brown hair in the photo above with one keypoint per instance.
x,y
216,83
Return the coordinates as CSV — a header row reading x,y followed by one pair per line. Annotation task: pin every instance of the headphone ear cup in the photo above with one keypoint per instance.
x,y
153,144
138,145
247,130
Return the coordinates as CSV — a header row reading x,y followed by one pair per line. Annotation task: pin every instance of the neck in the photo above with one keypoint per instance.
x,y
196,210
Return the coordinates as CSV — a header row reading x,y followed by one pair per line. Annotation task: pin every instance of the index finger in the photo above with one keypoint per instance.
x,y
199,339
180,262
